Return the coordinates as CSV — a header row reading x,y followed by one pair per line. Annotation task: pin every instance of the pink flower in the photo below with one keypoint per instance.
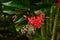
x,y
36,21
14,17
25,17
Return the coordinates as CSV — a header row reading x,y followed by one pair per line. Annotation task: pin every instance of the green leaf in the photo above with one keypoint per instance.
x,y
37,12
19,27
7,3
41,10
8,11
10,4
19,20
19,6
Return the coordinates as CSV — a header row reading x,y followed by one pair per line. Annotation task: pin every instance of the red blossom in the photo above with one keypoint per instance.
x,y
36,21
58,3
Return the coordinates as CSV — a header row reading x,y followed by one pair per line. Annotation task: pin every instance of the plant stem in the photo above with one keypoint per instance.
x,y
47,29
42,31
54,26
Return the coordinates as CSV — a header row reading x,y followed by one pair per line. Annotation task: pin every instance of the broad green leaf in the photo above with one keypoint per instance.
x,y
8,11
10,4
19,6
19,27
7,3
19,20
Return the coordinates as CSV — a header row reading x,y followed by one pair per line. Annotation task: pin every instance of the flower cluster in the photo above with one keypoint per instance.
x,y
36,21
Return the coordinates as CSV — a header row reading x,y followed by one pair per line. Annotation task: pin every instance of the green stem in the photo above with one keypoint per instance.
x,y
42,30
54,26
47,30
50,18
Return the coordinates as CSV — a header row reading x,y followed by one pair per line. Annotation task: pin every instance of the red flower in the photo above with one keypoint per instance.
x,y
58,3
36,21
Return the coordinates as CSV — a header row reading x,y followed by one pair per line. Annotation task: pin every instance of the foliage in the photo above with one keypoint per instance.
x,y
30,8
